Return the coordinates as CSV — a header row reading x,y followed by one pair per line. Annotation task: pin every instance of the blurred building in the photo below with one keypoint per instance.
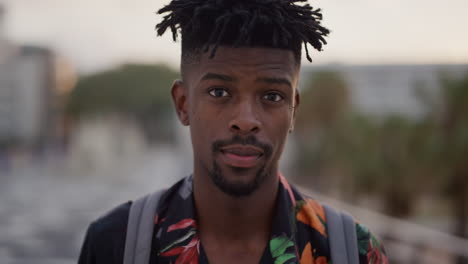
x,y
380,90
27,88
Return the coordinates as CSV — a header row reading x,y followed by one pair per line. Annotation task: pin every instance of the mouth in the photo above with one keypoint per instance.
x,y
241,156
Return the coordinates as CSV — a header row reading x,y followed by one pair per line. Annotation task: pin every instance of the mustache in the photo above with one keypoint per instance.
x,y
249,140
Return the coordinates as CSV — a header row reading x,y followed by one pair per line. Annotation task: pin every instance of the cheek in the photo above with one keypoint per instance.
x,y
203,126
278,128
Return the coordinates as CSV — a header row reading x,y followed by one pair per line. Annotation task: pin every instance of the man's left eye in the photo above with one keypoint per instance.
x,y
272,96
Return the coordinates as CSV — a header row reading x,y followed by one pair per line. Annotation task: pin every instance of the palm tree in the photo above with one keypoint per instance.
x,y
452,123
388,158
359,154
324,106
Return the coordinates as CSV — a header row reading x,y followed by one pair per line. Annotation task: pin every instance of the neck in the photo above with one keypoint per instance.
x,y
226,218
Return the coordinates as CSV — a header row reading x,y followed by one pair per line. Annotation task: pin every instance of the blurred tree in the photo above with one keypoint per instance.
x,y
451,120
394,158
389,159
324,107
138,91
342,149
325,102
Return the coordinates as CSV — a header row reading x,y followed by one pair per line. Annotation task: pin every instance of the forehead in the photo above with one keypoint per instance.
x,y
246,60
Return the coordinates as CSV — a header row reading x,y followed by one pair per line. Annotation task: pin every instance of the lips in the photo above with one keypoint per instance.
x,y
241,156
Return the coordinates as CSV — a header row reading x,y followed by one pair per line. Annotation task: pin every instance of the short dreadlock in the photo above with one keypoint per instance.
x,y
207,24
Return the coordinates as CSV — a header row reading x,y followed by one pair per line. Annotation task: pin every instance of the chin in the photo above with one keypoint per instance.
x,y
238,182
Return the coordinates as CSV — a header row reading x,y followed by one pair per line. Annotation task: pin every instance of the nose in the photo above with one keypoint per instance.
x,y
245,120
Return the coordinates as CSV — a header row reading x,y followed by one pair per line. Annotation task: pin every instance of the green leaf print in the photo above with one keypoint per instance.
x,y
283,258
278,248
279,245
363,239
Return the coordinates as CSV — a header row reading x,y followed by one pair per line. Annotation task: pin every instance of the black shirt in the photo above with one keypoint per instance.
x,y
298,232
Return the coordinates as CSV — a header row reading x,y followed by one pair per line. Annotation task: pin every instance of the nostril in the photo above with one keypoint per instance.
x,y
235,127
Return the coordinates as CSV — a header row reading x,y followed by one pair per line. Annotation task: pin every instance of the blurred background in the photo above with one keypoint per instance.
x,y
86,121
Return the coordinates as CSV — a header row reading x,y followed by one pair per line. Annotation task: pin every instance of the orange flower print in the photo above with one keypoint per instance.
x,y
321,260
308,258
311,213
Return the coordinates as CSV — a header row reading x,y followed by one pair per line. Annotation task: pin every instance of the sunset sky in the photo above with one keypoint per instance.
x,y
98,34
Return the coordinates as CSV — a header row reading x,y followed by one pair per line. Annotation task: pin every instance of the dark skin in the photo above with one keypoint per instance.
x,y
240,92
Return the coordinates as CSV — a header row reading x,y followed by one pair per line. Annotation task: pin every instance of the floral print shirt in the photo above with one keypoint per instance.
x,y
298,232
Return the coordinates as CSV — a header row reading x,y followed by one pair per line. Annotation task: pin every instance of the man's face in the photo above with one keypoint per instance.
x,y
240,106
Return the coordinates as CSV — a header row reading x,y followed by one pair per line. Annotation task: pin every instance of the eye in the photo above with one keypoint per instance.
x,y
218,92
273,96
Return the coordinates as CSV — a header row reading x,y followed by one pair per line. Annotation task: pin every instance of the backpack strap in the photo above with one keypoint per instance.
x,y
341,229
140,228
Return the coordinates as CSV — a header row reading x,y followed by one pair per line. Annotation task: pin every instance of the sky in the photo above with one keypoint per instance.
x,y
98,34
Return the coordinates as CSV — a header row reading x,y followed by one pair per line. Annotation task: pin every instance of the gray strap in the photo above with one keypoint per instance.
x,y
132,229
342,237
338,251
140,229
351,238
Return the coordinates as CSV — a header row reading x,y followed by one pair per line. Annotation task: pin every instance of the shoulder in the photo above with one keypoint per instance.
x,y
312,213
105,237
112,222
371,249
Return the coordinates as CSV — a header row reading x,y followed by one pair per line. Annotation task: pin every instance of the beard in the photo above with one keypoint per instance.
x,y
238,189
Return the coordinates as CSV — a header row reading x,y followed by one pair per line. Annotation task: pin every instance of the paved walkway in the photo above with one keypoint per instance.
x,y
45,209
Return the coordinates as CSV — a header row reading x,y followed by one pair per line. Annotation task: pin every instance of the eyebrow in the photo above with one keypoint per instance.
x,y
227,78
274,80
217,76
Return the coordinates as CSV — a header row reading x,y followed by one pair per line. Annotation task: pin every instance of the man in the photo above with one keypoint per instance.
x,y
238,94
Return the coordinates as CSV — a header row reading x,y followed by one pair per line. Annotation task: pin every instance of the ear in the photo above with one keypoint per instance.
x,y
179,97
297,100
